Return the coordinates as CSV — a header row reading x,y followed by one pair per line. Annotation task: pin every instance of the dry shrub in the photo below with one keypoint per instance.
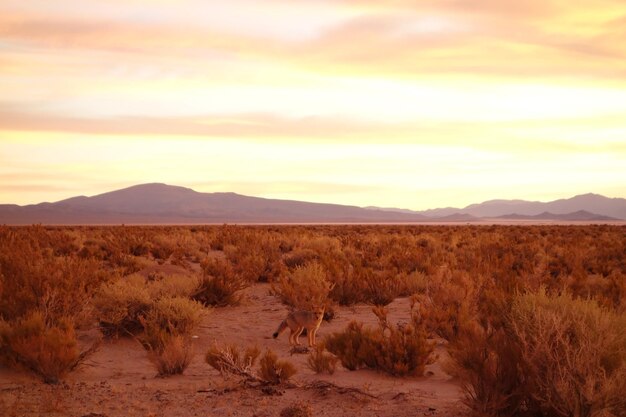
x,y
297,409
169,324
320,361
573,354
307,288
348,345
255,253
43,283
398,350
232,360
175,285
170,316
300,257
486,362
120,304
35,279
173,356
548,356
382,287
219,284
449,303
162,247
274,371
50,351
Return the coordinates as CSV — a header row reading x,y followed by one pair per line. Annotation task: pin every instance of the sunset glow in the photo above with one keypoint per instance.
x,y
413,104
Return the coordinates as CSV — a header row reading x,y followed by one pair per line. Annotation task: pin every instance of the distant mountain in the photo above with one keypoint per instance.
x,y
592,203
580,215
167,204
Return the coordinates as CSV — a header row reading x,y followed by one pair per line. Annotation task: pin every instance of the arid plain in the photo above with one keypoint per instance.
x,y
420,320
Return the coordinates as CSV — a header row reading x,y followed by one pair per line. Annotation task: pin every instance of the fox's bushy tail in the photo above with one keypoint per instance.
x,y
282,326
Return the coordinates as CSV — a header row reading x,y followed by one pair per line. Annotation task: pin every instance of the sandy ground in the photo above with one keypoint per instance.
x,y
118,380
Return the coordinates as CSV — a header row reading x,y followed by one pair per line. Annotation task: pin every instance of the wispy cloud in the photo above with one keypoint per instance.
x,y
532,86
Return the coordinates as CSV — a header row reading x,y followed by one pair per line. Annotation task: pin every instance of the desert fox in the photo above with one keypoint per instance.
x,y
299,320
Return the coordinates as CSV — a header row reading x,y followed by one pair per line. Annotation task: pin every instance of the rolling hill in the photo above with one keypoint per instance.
x,y
166,204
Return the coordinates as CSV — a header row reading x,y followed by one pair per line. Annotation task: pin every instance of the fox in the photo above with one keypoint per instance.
x,y
299,320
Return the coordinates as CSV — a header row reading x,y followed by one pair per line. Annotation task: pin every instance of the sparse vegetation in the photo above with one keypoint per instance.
x,y
549,299
275,371
321,361
553,356
173,355
49,351
397,350
220,284
307,288
230,360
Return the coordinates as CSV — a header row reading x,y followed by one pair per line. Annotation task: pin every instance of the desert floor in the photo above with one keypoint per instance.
x,y
119,380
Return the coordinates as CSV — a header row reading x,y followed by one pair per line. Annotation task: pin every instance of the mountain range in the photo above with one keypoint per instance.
x,y
167,204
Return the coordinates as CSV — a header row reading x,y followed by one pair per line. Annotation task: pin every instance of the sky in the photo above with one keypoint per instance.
x,y
411,104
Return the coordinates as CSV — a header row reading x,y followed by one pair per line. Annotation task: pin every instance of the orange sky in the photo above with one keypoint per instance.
x,y
414,104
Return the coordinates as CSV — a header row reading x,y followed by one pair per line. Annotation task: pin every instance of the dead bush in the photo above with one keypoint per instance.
x,y
232,360
274,371
320,361
49,351
398,350
307,288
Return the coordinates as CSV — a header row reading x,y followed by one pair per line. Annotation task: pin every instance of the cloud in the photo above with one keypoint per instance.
x,y
483,38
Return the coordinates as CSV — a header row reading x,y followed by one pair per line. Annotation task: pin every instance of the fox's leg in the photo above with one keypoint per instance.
x,y
292,340
312,337
297,335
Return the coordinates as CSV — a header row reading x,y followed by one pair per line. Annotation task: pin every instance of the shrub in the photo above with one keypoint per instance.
x,y
347,345
34,279
398,350
573,352
449,303
120,304
170,316
274,371
219,284
168,326
486,361
173,355
306,289
549,355
231,360
49,351
299,257
175,285
320,361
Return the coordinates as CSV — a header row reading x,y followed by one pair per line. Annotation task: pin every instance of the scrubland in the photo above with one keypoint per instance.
x,y
439,320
